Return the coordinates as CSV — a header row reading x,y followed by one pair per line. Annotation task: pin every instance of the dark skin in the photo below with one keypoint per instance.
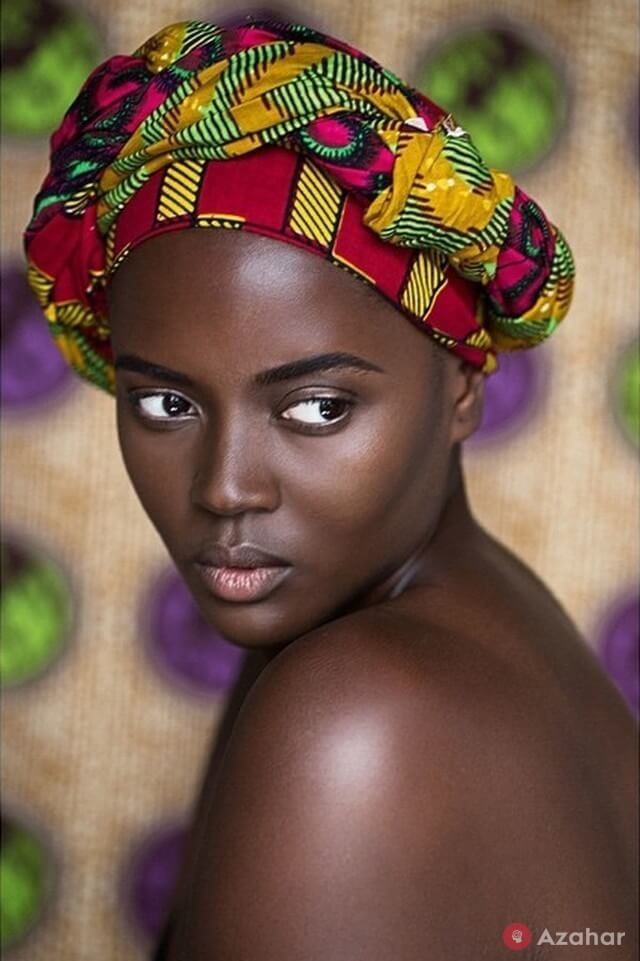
x,y
426,749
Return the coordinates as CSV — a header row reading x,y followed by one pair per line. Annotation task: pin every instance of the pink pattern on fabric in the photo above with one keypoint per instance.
x,y
525,258
329,131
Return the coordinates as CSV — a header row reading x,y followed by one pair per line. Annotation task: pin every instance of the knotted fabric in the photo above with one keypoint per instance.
x,y
280,130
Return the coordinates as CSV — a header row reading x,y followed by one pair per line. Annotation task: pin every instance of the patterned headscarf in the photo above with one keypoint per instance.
x,y
280,130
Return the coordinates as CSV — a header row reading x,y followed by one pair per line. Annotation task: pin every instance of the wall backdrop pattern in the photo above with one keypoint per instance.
x,y
113,685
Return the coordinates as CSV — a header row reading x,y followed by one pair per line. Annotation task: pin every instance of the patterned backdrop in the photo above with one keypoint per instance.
x,y
112,684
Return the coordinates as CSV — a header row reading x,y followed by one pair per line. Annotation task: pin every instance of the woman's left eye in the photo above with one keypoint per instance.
x,y
162,405
318,411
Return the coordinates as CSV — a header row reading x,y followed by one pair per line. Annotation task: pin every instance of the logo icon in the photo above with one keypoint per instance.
x,y
516,936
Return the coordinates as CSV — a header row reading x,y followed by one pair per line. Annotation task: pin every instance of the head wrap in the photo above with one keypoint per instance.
x,y
284,131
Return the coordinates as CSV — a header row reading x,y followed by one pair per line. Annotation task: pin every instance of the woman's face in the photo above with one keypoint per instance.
x,y
339,468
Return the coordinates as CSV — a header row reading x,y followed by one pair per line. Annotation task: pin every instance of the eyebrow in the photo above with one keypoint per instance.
x,y
274,375
140,366
313,365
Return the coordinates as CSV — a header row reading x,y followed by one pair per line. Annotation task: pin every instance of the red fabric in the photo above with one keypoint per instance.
x,y
261,188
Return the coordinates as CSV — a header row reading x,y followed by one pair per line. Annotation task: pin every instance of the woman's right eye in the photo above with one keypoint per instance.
x,y
162,405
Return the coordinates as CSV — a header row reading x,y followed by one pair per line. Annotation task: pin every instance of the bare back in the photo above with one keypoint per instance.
x,y
571,834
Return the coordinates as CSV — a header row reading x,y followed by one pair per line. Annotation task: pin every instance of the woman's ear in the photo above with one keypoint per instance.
x,y
468,399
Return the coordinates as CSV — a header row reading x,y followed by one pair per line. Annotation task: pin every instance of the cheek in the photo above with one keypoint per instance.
x,y
359,484
157,474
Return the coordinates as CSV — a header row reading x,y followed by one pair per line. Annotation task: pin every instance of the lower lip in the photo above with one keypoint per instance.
x,y
242,583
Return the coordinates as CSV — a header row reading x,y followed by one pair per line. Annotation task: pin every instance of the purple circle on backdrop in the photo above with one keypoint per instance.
x,y
181,642
151,877
512,395
33,369
618,647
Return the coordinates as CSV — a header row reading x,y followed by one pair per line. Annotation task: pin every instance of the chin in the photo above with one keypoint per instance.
x,y
254,626
269,624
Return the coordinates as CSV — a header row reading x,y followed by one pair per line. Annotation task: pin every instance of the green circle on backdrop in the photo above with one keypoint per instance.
x,y
507,93
36,613
626,393
26,877
48,50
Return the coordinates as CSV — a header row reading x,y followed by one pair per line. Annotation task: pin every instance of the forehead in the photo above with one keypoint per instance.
x,y
217,296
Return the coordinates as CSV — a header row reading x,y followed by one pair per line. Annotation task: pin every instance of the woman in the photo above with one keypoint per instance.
x,y
429,763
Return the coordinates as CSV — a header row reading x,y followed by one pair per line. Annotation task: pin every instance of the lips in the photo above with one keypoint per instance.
x,y
241,573
239,555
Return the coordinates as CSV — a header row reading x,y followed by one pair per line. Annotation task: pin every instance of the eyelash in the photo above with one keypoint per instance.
x,y
320,428
136,397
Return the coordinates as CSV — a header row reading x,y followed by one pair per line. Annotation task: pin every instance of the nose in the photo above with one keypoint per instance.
x,y
233,473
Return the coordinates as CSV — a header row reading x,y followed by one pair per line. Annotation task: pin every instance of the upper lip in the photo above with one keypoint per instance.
x,y
239,555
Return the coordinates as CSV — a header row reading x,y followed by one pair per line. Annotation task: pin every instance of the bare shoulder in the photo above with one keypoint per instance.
x,y
407,693
375,796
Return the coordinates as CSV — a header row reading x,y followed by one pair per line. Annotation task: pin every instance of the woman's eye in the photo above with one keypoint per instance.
x,y
316,411
162,405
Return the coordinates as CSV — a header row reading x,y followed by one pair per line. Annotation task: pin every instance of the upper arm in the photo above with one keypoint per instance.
x,y
342,824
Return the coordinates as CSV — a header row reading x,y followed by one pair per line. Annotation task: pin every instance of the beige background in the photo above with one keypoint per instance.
x,y
101,748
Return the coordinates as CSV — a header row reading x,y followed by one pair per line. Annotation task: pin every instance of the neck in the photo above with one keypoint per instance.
x,y
440,547
456,525
456,522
